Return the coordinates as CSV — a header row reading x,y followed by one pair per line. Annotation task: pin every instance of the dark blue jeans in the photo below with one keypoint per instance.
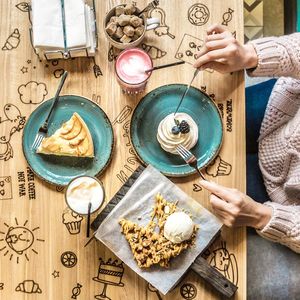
x,y
257,97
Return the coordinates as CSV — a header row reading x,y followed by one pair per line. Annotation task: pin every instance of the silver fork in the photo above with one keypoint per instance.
x,y
189,158
43,130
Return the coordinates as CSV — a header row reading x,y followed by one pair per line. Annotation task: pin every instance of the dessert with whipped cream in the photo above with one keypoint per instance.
x,y
175,130
179,227
83,190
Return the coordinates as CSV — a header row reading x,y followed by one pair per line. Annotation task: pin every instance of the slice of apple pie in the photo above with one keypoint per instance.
x,y
73,138
150,247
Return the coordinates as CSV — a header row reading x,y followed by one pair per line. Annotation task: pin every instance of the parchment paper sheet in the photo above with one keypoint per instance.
x,y
138,203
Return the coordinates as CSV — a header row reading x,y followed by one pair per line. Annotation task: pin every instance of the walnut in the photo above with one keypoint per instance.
x,y
113,19
135,21
139,30
120,10
123,20
146,243
129,9
111,28
125,39
119,33
128,30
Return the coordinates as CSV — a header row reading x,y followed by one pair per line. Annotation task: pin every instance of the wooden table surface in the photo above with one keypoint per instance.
x,y
40,268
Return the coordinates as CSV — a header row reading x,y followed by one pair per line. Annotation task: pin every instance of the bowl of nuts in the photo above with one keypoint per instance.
x,y
125,28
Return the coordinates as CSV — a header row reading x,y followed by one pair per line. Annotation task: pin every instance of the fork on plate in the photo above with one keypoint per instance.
x,y
43,130
189,158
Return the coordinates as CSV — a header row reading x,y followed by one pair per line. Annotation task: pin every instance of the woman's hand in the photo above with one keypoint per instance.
x,y
223,53
234,208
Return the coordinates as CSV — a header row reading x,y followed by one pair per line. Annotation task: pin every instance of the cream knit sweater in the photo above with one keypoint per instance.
x,y
279,141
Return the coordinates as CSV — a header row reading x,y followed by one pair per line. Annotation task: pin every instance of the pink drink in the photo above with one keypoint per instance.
x,y
130,67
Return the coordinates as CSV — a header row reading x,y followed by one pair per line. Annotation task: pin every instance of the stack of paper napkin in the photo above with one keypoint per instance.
x,y
63,25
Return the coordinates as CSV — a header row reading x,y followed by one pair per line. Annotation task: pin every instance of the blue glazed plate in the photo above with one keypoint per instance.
x,y
59,170
157,105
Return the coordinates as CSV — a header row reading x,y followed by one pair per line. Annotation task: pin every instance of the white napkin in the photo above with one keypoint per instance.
x,y
47,24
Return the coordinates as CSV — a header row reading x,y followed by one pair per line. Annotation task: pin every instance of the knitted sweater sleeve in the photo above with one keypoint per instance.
x,y
284,226
277,56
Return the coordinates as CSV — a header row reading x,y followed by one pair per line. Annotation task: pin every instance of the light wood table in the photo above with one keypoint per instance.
x,y
36,210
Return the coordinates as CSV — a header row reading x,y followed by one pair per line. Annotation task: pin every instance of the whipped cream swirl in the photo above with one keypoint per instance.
x,y
169,141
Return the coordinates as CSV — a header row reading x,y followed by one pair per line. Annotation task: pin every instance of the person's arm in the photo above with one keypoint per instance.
x,y
277,56
272,56
273,221
223,53
284,226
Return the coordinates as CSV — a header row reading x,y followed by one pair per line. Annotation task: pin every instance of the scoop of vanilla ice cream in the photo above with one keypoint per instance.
x,y
178,227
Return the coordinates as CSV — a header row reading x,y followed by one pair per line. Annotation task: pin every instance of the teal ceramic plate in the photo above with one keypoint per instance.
x,y
157,105
59,170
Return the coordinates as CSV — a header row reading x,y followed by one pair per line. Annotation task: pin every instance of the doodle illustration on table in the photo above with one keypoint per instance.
x,y
30,183
54,62
188,291
58,73
68,259
1,286
123,115
72,221
23,6
197,188
153,51
219,167
221,109
126,128
227,16
188,48
234,34
198,14
109,273
224,261
59,189
212,95
19,239
32,92
76,291
163,28
152,289
5,188
229,111
28,287
16,123
96,69
132,159
13,41
24,69
113,53
55,274
96,98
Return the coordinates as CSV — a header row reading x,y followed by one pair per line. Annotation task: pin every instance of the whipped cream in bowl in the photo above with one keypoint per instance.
x,y
82,190
169,141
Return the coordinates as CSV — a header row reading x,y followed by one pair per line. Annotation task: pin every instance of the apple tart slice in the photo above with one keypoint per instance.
x,y
73,138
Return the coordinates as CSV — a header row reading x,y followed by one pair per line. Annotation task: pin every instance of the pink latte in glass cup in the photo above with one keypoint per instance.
x,y
130,68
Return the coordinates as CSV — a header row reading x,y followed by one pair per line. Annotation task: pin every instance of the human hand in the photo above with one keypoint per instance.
x,y
223,53
234,208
